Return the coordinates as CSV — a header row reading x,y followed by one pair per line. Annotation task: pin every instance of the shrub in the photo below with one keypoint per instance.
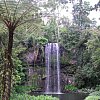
x,y
96,93
86,90
28,97
97,88
23,89
85,76
70,88
93,96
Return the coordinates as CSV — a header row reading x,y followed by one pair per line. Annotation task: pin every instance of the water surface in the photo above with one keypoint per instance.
x,y
67,96
70,96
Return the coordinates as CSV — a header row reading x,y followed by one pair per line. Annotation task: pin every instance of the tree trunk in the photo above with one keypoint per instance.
x,y
7,74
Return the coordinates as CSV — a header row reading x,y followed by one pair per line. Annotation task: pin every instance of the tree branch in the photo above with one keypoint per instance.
x,y
26,22
6,8
16,10
22,15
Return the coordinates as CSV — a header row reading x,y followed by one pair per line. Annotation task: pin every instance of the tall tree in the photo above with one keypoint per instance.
x,y
14,13
81,11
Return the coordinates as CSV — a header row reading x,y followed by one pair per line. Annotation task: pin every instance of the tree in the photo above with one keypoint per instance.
x,y
81,11
96,6
14,13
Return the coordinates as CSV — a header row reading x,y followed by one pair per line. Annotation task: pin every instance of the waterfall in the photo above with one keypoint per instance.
x,y
52,82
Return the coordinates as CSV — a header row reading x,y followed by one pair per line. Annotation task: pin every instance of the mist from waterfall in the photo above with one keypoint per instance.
x,y
52,82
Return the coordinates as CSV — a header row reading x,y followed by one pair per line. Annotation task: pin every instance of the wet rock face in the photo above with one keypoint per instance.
x,y
33,57
64,80
38,77
30,56
35,77
37,57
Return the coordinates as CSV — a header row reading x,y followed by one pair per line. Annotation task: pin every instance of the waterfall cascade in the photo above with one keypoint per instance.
x,y
52,83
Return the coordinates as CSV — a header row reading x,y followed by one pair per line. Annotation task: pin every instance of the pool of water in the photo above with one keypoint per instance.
x,y
67,96
70,96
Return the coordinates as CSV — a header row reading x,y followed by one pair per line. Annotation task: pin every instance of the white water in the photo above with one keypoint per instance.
x,y
52,83
48,68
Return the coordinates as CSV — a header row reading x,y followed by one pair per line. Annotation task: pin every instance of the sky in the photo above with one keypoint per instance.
x,y
94,14
92,1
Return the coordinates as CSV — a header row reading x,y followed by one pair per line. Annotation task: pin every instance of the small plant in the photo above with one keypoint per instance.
x,y
28,97
70,88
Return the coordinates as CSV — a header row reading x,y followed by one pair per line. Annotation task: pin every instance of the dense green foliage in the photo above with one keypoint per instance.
x,y
28,97
96,93
79,43
70,88
93,96
23,89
